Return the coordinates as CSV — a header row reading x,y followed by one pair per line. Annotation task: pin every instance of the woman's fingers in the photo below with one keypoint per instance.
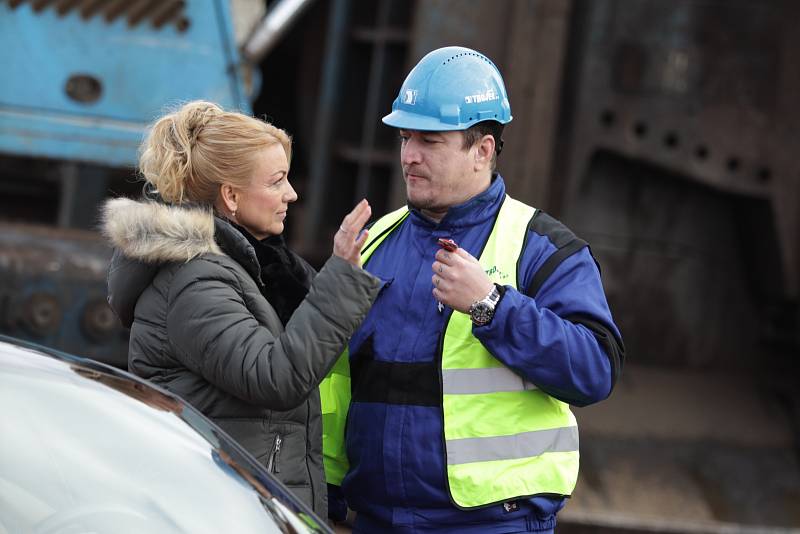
x,y
354,221
357,218
362,238
350,238
361,215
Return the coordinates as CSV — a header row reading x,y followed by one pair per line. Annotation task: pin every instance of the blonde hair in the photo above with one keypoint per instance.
x,y
189,153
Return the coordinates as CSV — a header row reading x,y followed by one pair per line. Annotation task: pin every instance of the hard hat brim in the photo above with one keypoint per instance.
x,y
412,121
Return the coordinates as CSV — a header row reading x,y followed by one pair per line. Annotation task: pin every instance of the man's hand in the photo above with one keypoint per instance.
x,y
458,279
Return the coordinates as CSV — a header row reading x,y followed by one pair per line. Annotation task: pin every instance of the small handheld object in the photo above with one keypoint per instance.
x,y
448,244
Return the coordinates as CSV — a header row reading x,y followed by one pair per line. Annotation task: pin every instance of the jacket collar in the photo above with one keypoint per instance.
x,y
474,211
233,240
154,232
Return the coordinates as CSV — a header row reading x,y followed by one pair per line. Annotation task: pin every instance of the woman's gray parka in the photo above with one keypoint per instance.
x,y
189,286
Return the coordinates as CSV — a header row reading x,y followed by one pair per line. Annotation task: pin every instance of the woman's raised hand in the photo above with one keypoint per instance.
x,y
351,236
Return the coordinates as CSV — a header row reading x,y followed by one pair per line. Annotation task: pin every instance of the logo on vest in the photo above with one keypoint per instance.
x,y
495,273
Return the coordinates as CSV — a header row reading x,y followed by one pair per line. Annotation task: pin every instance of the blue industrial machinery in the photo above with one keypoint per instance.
x,y
82,79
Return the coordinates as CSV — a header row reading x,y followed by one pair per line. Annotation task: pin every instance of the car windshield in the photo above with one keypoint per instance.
x,y
78,454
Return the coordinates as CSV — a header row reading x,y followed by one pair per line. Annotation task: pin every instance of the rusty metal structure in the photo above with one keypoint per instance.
x,y
52,291
156,12
674,162
684,121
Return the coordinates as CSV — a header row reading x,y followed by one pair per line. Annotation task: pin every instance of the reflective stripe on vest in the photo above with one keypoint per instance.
x,y
471,381
334,390
504,438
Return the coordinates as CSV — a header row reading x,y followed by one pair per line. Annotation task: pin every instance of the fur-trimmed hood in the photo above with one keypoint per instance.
x,y
146,234
154,232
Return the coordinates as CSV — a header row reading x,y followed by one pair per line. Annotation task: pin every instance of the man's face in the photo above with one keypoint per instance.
x,y
438,171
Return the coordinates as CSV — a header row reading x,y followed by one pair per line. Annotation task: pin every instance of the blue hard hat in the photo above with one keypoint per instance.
x,y
451,88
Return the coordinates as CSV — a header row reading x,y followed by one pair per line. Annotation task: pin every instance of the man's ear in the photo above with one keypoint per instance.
x,y
484,152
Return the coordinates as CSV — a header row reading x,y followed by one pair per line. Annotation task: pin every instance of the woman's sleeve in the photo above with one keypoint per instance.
x,y
214,333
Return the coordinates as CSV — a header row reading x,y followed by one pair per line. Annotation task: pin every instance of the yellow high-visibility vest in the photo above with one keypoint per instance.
x,y
504,438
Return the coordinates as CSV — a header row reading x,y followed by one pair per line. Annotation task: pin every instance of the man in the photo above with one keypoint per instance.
x,y
464,368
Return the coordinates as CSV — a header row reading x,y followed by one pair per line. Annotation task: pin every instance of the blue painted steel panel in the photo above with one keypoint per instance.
x,y
143,71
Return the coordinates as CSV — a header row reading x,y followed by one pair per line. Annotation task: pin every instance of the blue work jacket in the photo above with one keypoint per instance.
x,y
561,338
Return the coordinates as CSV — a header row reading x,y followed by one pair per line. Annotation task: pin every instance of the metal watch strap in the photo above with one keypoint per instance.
x,y
482,311
494,295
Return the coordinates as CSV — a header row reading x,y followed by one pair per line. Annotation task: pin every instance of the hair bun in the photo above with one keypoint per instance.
x,y
166,157
195,116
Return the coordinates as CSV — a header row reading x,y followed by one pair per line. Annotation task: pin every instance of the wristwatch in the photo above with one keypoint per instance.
x,y
482,311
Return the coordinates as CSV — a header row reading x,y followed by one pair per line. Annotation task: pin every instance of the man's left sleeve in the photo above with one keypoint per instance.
x,y
562,339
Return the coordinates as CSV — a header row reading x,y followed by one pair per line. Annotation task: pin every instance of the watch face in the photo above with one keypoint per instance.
x,y
482,313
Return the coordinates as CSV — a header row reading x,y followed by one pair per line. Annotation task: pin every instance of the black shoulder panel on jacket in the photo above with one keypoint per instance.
x,y
562,238
567,244
612,344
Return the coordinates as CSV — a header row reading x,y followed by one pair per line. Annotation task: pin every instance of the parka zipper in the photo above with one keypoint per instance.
x,y
272,463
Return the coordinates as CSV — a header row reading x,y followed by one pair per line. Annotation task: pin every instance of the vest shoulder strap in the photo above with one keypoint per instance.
x,y
381,229
566,243
503,248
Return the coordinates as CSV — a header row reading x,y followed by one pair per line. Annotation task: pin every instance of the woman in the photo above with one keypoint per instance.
x,y
220,311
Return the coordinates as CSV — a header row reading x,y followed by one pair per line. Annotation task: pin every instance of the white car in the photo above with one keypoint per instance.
x,y
85,448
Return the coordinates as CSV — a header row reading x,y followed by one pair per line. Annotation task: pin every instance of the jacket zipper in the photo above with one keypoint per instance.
x,y
272,464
